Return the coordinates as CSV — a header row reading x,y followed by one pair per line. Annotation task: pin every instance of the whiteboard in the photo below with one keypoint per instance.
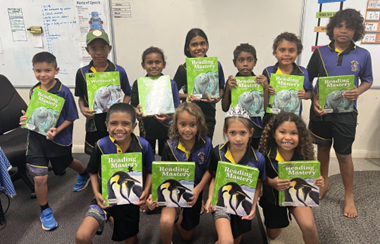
x,y
65,24
309,37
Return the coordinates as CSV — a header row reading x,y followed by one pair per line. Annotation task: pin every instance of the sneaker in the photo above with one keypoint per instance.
x,y
47,219
82,183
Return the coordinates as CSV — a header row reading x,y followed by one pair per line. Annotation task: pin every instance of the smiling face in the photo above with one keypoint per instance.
x,y
238,135
187,126
45,73
343,34
98,50
120,126
245,63
286,53
286,136
198,47
153,64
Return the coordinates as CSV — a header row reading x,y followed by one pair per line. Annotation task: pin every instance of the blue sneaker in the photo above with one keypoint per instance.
x,y
47,219
82,183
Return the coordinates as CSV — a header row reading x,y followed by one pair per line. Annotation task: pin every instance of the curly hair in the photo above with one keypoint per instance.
x,y
305,146
290,37
192,109
244,47
354,20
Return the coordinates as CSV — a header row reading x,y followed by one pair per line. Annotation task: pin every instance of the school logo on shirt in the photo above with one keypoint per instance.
x,y
201,156
354,66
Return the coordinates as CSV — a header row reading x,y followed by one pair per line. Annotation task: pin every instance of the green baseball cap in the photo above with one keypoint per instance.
x,y
97,34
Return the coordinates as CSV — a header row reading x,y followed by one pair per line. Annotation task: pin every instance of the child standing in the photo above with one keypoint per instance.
x,y
188,142
120,122
245,60
56,146
238,128
340,57
286,48
196,46
286,138
157,127
98,46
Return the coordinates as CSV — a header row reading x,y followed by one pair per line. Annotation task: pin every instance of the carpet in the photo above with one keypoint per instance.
x,y
333,227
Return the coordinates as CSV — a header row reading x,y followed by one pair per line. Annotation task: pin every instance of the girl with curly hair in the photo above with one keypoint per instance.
x,y
286,138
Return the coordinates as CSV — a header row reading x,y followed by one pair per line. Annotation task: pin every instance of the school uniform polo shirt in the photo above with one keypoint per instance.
x,y
174,151
108,145
97,123
251,158
326,61
150,127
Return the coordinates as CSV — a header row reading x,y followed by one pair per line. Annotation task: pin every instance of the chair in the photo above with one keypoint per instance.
x,y
13,138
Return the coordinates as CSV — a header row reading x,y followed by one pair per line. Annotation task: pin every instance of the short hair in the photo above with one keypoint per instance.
x,y
44,57
290,37
153,50
353,19
121,107
190,35
192,109
248,124
244,47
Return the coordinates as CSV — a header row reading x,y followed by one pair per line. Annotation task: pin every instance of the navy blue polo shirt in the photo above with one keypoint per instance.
x,y
325,61
69,112
200,154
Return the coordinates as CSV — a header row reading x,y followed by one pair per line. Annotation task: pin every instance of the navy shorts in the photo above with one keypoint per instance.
x,y
275,216
192,215
38,165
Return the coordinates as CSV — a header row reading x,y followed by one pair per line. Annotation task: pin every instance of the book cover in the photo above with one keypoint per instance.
x,y
43,111
234,189
173,183
202,77
155,95
302,191
249,95
122,179
331,89
286,98
103,89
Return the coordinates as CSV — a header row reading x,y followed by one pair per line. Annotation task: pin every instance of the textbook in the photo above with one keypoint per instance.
x,y
249,95
302,191
173,183
331,89
155,95
286,98
122,179
202,77
103,90
43,111
234,188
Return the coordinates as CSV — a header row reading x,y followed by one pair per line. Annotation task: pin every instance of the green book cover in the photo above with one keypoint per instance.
x,y
302,191
234,188
103,90
202,77
331,89
249,95
43,111
155,95
122,179
173,183
286,98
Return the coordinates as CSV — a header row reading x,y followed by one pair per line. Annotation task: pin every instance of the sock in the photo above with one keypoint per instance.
x,y
85,173
44,207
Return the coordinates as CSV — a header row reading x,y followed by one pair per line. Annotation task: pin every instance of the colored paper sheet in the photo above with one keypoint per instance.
x,y
372,27
371,38
320,29
373,4
325,14
372,15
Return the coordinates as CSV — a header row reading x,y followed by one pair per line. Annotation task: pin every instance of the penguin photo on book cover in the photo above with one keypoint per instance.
x,y
123,187
232,197
301,193
173,193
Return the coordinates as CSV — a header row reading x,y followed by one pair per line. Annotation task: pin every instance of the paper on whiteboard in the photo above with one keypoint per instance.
x,y
90,17
37,40
84,57
16,20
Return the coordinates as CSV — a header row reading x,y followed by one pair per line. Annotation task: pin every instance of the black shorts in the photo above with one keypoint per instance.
x,y
275,216
341,134
38,165
192,215
39,146
238,225
91,139
126,219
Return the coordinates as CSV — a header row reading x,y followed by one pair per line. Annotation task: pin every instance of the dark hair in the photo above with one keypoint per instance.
x,y
153,50
121,107
190,35
353,19
246,122
45,57
290,37
244,47
305,146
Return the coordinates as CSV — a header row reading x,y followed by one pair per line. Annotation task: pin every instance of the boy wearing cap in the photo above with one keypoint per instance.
x,y
98,46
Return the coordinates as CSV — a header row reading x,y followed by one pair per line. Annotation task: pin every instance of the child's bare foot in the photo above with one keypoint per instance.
x,y
324,189
203,207
349,207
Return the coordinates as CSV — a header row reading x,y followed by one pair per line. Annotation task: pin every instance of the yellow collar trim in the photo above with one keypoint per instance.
x,y
279,158
279,72
93,69
338,51
183,149
118,149
228,155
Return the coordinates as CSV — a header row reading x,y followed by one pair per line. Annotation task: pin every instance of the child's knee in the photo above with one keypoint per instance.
x,y
226,240
273,233
309,229
324,148
343,158
83,236
167,221
40,180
